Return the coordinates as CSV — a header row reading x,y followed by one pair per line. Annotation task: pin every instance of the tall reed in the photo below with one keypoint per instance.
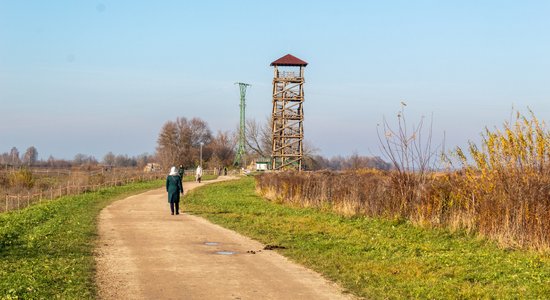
x,y
506,182
501,189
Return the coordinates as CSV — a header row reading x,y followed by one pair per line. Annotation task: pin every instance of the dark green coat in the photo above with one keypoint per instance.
x,y
174,188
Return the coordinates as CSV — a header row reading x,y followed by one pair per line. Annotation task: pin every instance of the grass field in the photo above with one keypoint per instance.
x,y
376,258
46,250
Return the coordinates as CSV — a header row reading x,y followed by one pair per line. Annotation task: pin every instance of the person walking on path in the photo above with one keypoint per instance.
x,y
174,188
198,174
140,256
181,172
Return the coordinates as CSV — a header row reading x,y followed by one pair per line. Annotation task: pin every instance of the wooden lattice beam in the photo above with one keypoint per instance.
x,y
287,115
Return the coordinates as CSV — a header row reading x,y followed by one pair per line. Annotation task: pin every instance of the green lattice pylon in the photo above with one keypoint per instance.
x,y
239,156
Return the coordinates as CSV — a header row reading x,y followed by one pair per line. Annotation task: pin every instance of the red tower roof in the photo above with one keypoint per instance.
x,y
289,61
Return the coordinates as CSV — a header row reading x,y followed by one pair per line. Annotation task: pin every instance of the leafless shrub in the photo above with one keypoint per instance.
x,y
411,152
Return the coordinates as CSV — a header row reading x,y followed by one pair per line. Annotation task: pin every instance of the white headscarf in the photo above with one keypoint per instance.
x,y
173,171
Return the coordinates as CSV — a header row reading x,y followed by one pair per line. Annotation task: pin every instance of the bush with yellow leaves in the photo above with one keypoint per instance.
x,y
506,183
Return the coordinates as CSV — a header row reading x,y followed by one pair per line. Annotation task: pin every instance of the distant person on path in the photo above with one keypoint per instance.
x,y
181,172
174,188
198,174
225,171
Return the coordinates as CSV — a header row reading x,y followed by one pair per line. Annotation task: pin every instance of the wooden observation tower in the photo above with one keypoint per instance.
x,y
288,113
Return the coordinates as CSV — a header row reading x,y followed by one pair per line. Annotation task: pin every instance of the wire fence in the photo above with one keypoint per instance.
x,y
25,199
73,182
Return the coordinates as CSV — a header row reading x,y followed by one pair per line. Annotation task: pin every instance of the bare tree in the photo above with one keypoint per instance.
x,y
83,159
258,137
109,159
309,156
5,158
200,133
58,163
31,156
222,147
143,159
353,162
14,156
179,142
51,161
123,160
168,144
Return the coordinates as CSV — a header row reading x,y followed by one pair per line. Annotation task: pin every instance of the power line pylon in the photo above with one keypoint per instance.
x,y
239,157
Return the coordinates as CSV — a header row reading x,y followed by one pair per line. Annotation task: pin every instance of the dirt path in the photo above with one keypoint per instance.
x,y
145,253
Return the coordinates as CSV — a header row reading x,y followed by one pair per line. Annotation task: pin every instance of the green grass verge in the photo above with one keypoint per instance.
x,y
46,250
376,258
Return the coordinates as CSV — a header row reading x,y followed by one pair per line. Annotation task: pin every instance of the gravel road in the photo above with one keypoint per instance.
x,y
143,252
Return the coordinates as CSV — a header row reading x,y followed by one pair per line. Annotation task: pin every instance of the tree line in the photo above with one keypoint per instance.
x,y
180,143
30,158
184,141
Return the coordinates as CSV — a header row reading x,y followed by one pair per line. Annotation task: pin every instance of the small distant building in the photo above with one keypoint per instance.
x,y
263,164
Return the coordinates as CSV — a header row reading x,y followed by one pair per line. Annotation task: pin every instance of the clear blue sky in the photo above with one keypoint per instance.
x,y
97,76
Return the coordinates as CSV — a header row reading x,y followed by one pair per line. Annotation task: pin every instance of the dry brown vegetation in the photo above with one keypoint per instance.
x,y
20,187
446,201
501,189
